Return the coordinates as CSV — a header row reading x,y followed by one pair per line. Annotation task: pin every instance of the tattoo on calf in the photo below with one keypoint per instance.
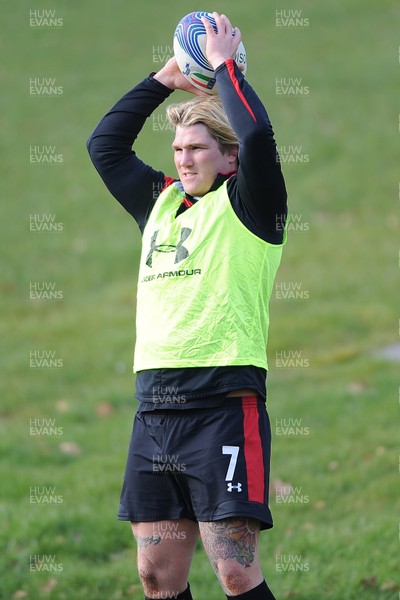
x,y
143,542
230,538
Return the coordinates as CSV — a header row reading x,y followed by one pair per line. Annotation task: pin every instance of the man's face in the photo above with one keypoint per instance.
x,y
198,158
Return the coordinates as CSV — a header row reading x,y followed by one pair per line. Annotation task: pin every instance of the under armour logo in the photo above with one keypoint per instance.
x,y
231,487
180,251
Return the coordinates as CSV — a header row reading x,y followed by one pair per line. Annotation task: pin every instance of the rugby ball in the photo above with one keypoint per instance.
x,y
189,51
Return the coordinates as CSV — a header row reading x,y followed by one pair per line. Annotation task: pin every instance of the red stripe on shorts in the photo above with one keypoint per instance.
x,y
253,453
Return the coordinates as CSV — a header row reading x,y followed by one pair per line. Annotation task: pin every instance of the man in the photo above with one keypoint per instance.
x,y
198,462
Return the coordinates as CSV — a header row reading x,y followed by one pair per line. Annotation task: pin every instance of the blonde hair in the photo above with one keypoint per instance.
x,y
208,112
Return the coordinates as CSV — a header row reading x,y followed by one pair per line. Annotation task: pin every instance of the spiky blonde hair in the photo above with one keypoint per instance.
x,y
209,112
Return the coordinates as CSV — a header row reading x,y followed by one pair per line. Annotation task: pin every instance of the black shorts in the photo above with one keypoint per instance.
x,y
199,464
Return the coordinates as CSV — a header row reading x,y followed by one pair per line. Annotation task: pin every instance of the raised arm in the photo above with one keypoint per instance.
x,y
260,182
133,183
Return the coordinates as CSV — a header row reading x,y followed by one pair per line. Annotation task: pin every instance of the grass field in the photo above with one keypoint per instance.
x,y
334,405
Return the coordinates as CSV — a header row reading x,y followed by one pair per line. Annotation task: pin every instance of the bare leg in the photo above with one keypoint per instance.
x,y
165,552
232,547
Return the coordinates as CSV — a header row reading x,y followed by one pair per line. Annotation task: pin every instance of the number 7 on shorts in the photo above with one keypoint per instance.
x,y
234,452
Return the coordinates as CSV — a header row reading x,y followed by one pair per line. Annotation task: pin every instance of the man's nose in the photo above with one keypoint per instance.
x,y
186,158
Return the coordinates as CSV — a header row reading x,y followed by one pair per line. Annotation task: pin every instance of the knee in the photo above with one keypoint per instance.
x,y
151,575
233,578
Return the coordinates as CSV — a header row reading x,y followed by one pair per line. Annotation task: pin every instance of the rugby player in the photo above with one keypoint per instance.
x,y
212,239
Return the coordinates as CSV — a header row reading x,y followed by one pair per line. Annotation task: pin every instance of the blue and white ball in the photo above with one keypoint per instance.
x,y
189,51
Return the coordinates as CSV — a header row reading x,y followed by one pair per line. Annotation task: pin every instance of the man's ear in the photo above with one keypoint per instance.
x,y
232,153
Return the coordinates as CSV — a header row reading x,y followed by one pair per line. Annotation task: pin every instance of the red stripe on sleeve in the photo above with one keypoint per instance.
x,y
231,70
253,453
167,182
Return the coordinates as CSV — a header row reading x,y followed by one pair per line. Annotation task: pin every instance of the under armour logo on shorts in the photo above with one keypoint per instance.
x,y
180,251
231,487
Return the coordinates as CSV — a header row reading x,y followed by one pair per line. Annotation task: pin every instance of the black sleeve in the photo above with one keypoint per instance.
x,y
260,184
133,183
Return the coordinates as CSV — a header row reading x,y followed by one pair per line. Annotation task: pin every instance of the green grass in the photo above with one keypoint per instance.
x,y
344,533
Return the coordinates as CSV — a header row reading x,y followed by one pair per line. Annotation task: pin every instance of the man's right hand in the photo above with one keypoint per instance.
x,y
170,76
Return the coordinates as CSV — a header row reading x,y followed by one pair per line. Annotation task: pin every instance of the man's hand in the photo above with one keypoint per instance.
x,y
222,45
170,75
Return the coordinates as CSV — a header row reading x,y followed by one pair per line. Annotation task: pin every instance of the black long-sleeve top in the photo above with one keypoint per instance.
x,y
257,194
